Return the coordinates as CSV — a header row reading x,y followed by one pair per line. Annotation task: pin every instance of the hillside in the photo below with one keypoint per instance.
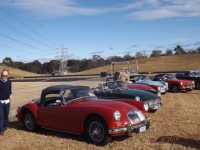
x,y
157,64
16,73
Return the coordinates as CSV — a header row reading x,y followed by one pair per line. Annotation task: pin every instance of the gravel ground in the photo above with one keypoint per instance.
x,y
175,126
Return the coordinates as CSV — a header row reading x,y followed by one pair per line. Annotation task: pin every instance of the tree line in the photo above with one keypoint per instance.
x,y
76,65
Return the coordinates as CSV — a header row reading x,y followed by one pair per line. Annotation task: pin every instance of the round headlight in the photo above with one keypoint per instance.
x,y
117,115
137,98
159,88
159,94
146,107
181,83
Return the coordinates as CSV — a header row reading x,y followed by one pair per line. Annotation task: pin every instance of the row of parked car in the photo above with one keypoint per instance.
x,y
109,110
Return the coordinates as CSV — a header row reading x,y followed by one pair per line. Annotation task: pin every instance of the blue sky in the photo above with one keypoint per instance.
x,y
36,29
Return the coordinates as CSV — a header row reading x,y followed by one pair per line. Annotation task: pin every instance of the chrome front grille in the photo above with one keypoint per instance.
x,y
156,102
153,102
162,89
135,116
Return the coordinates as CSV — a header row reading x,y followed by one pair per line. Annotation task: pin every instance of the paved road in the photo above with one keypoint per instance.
x,y
55,79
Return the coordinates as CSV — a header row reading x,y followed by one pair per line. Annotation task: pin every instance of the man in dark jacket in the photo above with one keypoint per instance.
x,y
5,97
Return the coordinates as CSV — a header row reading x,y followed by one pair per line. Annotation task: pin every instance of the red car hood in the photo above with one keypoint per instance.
x,y
140,87
185,82
105,104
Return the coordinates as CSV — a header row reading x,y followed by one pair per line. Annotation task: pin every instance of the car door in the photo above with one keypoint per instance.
x,y
51,116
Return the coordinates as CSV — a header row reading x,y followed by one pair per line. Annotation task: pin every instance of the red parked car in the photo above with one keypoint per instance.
x,y
143,87
75,109
175,85
161,86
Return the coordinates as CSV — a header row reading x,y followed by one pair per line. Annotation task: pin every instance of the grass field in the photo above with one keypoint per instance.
x,y
148,65
157,64
17,73
176,125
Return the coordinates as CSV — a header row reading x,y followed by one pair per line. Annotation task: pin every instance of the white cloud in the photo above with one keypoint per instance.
x,y
51,8
138,9
168,9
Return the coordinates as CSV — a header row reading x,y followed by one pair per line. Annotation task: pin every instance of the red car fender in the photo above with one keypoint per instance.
x,y
109,119
138,104
32,107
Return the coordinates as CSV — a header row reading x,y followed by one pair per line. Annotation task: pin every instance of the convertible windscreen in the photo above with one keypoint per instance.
x,y
77,93
84,93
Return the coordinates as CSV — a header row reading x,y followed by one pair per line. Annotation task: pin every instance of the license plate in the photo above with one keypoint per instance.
x,y
156,107
190,87
142,129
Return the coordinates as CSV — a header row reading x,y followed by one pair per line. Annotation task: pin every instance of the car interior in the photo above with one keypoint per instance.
x,y
52,101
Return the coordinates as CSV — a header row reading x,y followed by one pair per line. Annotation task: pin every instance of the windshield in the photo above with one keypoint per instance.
x,y
171,77
121,84
84,93
112,85
143,77
72,94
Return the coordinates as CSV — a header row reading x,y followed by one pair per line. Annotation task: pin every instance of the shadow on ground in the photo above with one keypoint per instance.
x,y
42,131
187,142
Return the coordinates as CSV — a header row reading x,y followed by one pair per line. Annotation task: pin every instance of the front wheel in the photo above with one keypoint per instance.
x,y
197,85
175,89
96,131
29,121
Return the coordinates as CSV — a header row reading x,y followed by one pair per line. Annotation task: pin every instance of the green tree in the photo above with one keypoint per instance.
x,y
168,52
179,50
7,61
141,54
198,49
156,53
128,57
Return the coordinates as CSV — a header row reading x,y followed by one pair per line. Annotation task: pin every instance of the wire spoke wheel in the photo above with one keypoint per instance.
x,y
29,122
198,85
175,89
96,131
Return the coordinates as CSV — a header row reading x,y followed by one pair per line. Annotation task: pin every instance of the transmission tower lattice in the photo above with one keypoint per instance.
x,y
64,69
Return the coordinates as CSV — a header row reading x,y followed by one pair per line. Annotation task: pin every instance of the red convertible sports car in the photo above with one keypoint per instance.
x,y
75,109
175,85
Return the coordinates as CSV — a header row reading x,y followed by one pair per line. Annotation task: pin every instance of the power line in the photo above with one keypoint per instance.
x,y
10,38
7,25
18,49
25,25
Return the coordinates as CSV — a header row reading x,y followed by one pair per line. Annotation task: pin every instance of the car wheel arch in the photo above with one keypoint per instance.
x,y
24,113
96,119
93,115
176,84
197,85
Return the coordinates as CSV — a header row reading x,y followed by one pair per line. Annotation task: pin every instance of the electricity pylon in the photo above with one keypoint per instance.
x,y
64,69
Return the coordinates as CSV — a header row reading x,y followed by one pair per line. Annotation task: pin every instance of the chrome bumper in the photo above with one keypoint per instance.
x,y
129,129
155,106
163,90
186,87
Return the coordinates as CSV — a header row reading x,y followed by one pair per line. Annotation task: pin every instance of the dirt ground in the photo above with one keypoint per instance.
x,y
175,126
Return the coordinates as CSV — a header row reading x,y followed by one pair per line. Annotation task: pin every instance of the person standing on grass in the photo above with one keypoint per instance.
x,y
5,97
